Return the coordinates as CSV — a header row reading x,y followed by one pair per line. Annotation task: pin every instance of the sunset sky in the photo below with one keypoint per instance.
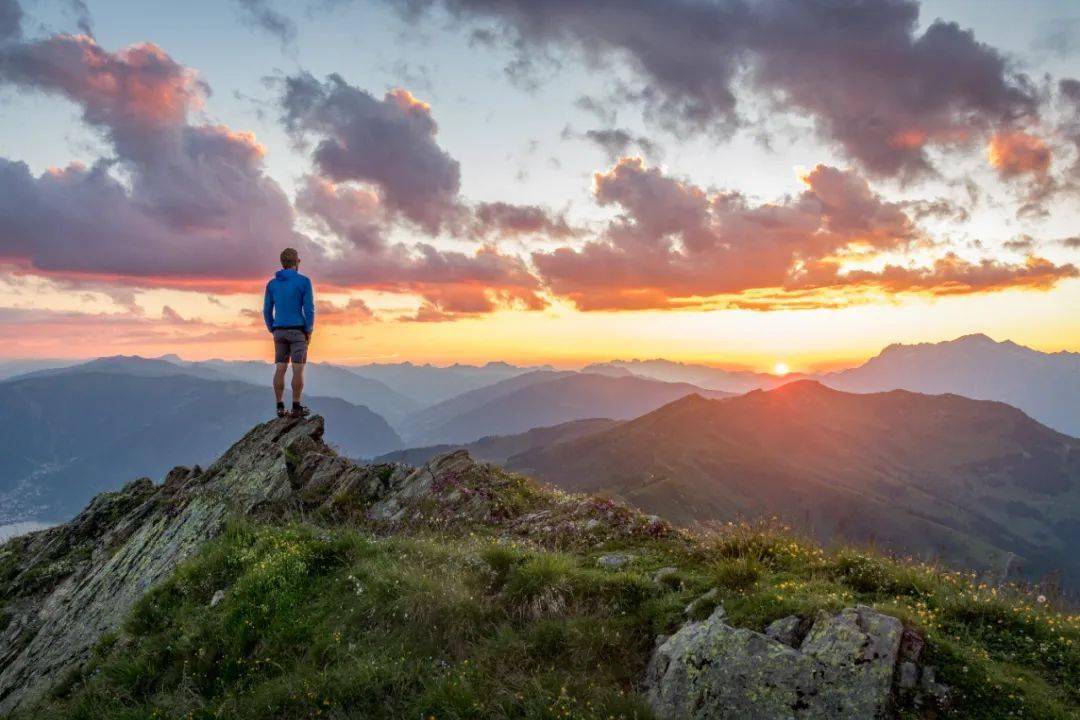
x,y
719,181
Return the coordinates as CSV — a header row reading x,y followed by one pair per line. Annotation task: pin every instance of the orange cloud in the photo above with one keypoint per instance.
x,y
675,245
1018,153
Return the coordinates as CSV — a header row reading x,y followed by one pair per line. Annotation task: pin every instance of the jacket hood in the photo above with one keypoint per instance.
x,y
285,273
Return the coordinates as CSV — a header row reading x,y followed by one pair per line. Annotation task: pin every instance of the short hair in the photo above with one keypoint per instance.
x,y
289,258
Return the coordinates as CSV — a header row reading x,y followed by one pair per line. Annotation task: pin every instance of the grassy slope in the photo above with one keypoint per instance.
x,y
456,619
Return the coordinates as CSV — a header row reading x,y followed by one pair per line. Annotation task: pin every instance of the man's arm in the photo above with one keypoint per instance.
x,y
268,309
309,308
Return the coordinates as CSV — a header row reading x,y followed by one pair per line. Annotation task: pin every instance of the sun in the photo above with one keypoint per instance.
x,y
781,369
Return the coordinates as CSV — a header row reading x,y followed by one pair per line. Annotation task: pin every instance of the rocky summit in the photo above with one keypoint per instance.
x,y
286,581
67,586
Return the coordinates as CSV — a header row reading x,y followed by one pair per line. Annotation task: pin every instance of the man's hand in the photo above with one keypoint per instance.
x,y
307,335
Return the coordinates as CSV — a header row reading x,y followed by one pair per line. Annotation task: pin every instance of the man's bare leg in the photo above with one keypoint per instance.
x,y
297,382
279,380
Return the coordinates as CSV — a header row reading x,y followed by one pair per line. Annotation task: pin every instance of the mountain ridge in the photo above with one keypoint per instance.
x,y
980,479
284,580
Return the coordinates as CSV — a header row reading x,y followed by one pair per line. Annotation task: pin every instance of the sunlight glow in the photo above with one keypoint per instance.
x,y
781,369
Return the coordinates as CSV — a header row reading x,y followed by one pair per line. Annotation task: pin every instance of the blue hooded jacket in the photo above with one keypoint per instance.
x,y
289,301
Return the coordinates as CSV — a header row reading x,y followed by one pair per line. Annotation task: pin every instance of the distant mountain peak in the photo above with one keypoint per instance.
x,y
803,387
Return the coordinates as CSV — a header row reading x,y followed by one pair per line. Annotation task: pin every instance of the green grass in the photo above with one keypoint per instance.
x,y
338,622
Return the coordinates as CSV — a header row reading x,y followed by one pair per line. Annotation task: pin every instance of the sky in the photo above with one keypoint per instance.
x,y
719,181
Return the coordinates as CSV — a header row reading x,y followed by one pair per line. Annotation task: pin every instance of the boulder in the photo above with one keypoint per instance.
x,y
789,630
843,668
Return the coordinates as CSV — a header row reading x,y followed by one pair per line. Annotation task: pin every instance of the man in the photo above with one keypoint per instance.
x,y
289,312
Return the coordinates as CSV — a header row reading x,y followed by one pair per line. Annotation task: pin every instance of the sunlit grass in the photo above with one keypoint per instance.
x,y
340,622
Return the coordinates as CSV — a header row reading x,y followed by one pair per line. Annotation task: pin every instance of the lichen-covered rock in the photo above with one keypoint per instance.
x,y
844,667
789,630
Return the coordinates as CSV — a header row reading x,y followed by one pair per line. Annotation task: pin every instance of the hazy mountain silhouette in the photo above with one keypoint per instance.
x,y
542,399
425,424
65,437
499,448
1044,385
327,380
971,481
320,379
429,384
705,376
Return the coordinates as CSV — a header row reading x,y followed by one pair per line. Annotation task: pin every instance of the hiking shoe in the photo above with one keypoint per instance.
x,y
299,412
282,412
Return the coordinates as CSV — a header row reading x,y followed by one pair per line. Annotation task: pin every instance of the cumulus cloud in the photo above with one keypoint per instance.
x,y
365,257
510,220
675,245
191,204
1018,153
388,142
866,74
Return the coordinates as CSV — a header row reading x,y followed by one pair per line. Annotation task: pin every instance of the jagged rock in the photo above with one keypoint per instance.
x,y
64,587
61,589
709,670
789,630
614,561
218,597
71,583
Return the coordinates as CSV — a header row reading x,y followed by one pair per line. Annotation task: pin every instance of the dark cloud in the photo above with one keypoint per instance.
x,y
1072,242
508,220
178,204
1021,243
453,283
616,142
259,14
939,209
861,69
10,19
389,143
675,245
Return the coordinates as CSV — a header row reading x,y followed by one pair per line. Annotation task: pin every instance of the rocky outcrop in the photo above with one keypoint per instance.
x,y
61,589
844,667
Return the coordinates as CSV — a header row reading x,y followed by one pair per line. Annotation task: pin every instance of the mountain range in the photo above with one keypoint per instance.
x,y
500,448
973,482
542,399
66,436
1044,385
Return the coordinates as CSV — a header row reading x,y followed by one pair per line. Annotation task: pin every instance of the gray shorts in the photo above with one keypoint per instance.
x,y
290,345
